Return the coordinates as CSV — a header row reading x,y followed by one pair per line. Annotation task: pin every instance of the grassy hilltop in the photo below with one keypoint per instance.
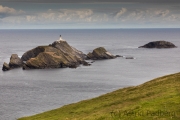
x,y
158,99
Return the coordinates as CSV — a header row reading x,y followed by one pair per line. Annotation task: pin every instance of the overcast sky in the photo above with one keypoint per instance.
x,y
77,14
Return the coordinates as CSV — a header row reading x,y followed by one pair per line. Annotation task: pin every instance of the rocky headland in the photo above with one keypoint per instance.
x,y
59,54
158,44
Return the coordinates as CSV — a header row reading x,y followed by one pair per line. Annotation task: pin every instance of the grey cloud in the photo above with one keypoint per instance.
x,y
176,8
90,1
7,11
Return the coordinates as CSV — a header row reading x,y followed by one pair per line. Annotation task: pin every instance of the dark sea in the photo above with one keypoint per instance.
x,y
28,92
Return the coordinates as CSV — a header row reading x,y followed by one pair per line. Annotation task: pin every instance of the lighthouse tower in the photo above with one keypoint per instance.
x,y
60,38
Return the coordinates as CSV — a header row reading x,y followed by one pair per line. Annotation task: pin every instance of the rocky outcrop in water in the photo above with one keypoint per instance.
x,y
58,55
129,57
118,56
159,44
5,67
15,62
86,63
99,54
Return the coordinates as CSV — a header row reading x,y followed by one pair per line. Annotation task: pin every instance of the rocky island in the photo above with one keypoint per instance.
x,y
100,53
158,44
59,54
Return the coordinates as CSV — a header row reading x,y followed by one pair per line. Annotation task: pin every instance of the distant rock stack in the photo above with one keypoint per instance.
x,y
158,44
15,62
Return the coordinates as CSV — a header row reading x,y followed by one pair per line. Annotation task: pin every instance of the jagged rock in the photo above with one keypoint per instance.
x,y
15,61
34,52
59,55
73,66
47,60
90,56
118,56
92,61
5,67
63,46
159,44
85,63
129,57
100,53
25,67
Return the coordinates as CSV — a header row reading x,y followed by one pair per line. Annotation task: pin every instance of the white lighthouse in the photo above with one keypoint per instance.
x,y
60,39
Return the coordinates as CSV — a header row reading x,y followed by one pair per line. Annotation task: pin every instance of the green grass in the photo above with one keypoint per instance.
x,y
158,99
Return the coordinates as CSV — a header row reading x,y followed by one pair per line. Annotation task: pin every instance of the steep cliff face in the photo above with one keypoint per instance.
x,y
100,53
158,44
58,55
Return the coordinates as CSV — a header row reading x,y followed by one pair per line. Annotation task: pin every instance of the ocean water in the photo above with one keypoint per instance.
x,y
29,92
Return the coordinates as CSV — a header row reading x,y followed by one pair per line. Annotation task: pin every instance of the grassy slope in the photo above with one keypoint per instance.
x,y
158,99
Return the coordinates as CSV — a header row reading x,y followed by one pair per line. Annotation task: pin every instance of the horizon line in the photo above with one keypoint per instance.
x,y
79,28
